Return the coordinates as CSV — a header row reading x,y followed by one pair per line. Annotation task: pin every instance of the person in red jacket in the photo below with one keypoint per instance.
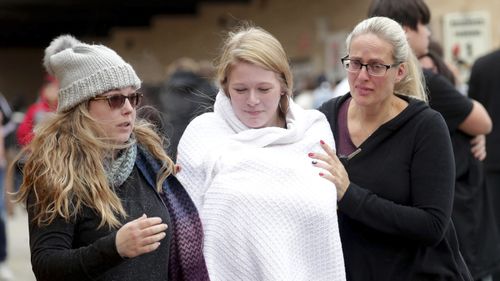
x,y
38,111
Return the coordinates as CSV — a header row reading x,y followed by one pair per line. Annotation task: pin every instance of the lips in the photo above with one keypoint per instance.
x,y
362,90
253,113
124,124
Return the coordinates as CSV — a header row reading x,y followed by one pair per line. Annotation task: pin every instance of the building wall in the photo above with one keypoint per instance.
x,y
301,26
439,8
20,74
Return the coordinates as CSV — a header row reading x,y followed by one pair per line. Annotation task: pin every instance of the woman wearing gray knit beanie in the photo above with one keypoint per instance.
x,y
102,200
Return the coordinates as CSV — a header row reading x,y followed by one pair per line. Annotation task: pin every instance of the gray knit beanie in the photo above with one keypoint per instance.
x,y
85,71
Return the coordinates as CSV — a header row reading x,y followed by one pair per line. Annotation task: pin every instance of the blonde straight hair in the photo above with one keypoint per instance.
x,y
64,167
255,45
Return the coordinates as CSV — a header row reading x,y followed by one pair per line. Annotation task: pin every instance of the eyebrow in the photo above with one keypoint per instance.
x,y
117,92
369,61
236,84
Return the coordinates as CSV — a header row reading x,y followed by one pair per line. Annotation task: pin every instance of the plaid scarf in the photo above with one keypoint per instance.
x,y
186,261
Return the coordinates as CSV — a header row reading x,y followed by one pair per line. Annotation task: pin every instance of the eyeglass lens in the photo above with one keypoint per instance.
x,y
375,69
117,101
355,66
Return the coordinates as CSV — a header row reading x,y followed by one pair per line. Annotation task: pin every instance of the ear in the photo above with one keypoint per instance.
x,y
401,72
406,29
408,33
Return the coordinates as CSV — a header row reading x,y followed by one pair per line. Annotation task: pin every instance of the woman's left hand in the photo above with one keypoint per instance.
x,y
335,171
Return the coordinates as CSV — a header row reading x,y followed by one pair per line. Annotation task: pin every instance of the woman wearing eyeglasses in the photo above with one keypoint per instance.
x,y
392,165
102,200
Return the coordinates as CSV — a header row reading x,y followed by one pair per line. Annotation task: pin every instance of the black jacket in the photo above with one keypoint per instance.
x,y
79,250
183,97
484,86
473,212
394,219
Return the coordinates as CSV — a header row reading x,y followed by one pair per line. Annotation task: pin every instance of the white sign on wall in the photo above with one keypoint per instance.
x,y
466,36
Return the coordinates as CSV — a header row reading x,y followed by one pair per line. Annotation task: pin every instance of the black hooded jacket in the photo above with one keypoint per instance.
x,y
394,219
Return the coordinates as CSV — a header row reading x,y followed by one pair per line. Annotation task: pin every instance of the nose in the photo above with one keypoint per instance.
x,y
253,99
127,107
363,72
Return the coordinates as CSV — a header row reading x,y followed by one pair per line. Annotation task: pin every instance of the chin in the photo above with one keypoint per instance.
x,y
121,139
253,125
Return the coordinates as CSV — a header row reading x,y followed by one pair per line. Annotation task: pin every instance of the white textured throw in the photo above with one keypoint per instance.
x,y
266,213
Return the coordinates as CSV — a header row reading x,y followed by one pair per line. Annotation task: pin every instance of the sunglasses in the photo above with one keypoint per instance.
x,y
118,100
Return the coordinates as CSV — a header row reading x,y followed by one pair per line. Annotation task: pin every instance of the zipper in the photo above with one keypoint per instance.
x,y
353,154
345,159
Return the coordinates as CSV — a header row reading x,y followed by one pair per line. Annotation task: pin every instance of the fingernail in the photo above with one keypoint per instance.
x,y
310,154
322,142
321,174
314,162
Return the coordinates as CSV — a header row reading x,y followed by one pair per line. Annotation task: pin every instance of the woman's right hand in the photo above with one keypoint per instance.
x,y
335,170
140,236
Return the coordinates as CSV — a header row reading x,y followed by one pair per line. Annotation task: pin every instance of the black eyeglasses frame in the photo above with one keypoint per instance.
x,y
368,66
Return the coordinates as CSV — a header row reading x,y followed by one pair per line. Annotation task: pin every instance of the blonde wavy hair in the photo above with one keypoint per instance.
x,y
64,167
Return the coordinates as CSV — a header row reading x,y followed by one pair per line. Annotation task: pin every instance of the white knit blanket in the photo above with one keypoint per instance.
x,y
266,213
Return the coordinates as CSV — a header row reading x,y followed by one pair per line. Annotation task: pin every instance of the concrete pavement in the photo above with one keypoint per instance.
x,y
18,246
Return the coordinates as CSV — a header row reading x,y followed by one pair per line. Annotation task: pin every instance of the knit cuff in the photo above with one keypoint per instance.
x,y
107,79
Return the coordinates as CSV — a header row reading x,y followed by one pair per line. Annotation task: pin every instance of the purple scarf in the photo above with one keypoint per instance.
x,y
186,261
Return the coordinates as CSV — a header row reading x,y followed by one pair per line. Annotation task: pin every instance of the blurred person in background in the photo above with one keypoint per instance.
x,y
46,103
322,92
341,88
12,118
185,95
434,61
35,114
303,96
484,86
5,272
9,122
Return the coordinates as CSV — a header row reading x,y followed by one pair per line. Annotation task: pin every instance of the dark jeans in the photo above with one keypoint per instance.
x,y
493,183
3,241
